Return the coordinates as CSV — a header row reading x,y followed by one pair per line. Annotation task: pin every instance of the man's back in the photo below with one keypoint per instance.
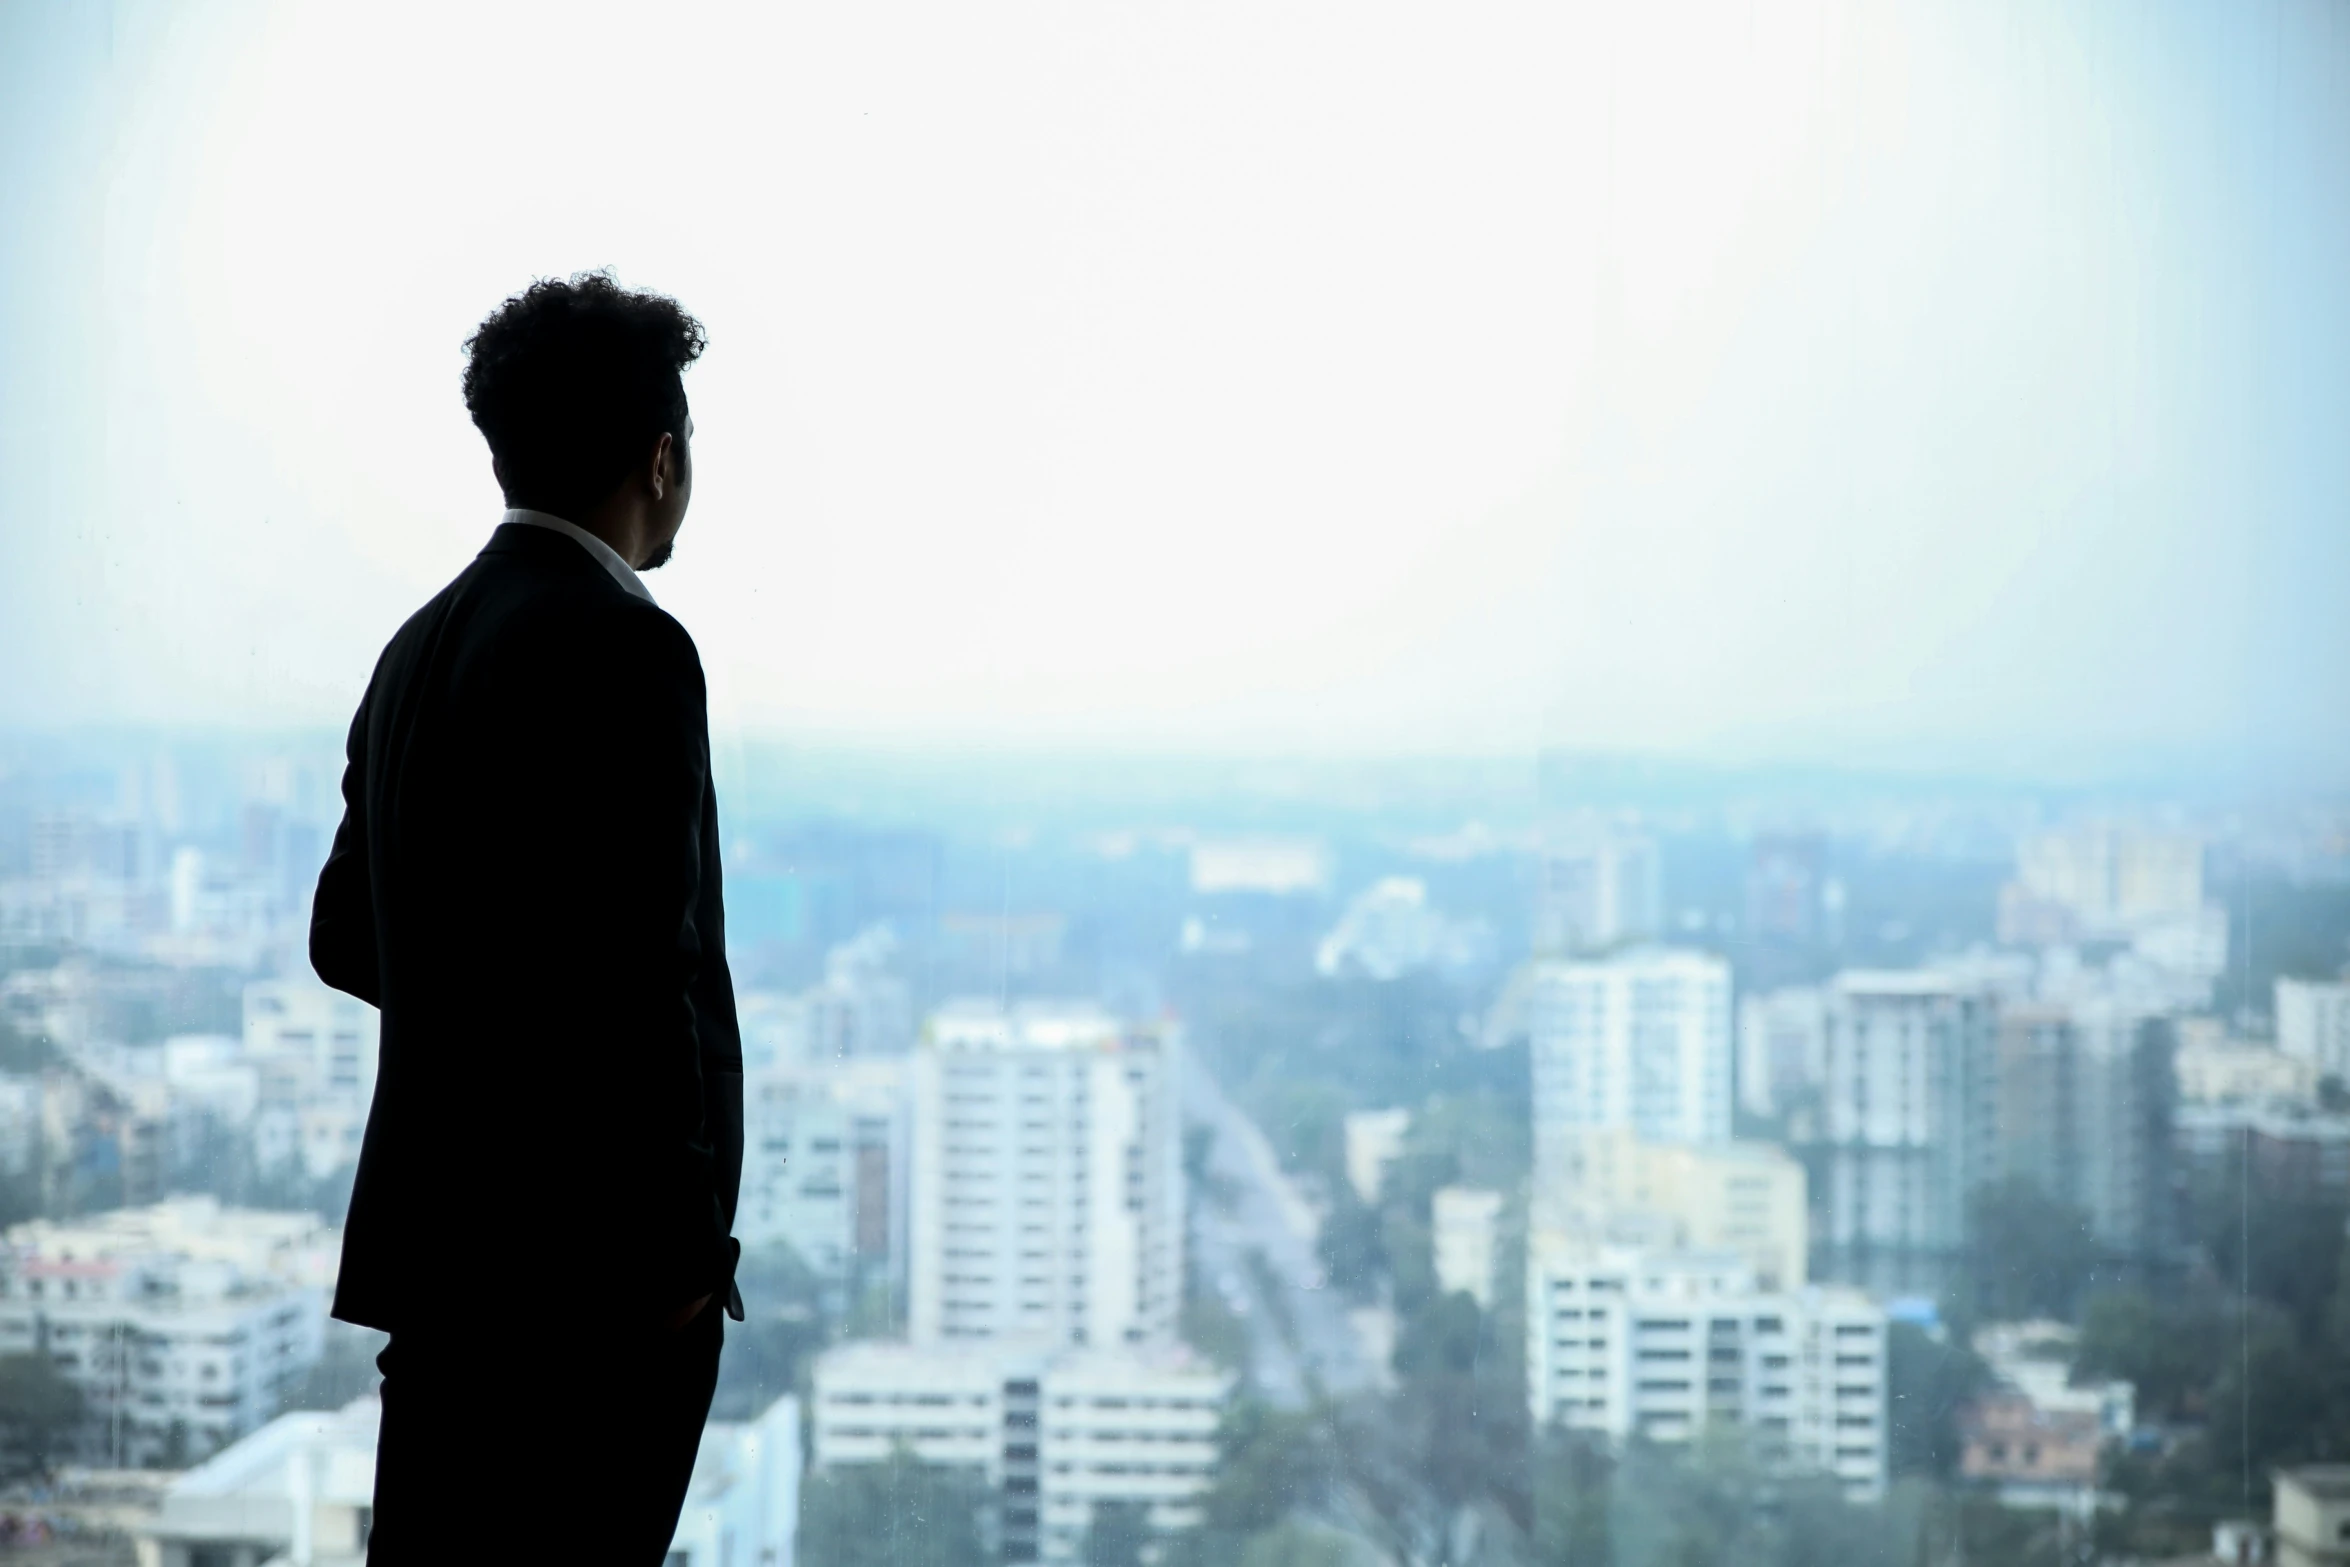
x,y
527,883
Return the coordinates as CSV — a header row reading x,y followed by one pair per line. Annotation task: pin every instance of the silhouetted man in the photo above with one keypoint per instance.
x,y
526,882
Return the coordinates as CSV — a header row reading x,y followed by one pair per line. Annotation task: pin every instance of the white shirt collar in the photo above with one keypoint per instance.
x,y
606,556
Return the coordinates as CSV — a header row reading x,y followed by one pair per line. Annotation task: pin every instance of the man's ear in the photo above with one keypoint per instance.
x,y
664,471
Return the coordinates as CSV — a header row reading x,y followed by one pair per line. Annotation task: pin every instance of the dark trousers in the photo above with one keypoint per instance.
x,y
510,1445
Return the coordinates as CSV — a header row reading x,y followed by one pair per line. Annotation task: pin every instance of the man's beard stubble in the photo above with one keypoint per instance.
x,y
660,556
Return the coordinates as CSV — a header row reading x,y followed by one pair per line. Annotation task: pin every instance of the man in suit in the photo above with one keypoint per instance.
x,y
526,882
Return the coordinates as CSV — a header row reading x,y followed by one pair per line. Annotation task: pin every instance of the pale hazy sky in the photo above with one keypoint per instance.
x,y
1964,384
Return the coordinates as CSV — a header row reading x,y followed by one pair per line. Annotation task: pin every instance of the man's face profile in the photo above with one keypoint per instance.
x,y
676,495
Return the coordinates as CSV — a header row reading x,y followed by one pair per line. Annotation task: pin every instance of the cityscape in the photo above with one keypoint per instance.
x,y
1368,1163
1511,786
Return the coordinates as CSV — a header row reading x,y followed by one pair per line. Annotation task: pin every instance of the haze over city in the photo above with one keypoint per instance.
x,y
1954,387
1535,786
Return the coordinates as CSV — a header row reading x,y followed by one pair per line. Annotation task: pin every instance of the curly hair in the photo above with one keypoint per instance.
x,y
572,382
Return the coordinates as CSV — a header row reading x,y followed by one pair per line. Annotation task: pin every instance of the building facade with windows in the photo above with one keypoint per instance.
x,y
1047,1175
2313,1023
183,1325
1054,1431
826,1151
1631,1342
2085,1098
1745,1198
1905,1128
311,1042
1639,1040
2289,1154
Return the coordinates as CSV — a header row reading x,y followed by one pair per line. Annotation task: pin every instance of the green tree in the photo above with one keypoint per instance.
x,y
1293,1544
1410,1248
1573,1474
2337,1317
1272,1460
1451,1437
1721,1504
1929,1381
1476,1139
900,1512
1210,1326
783,1326
1117,1535
1305,1120
24,1052
2270,1404
2287,1252
1443,1337
1352,1250
1199,1152
39,1411
2029,1255
2168,1349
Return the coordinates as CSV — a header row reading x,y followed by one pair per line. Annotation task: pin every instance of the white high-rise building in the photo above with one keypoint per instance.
x,y
1630,1342
2313,1023
1906,1125
1057,1431
1640,1040
1047,1178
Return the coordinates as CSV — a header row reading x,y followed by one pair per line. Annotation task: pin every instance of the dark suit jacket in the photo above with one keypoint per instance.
x,y
526,882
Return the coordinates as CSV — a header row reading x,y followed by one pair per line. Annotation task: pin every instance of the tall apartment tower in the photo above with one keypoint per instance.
x,y
1047,1178
1906,1126
1640,1040
2085,1101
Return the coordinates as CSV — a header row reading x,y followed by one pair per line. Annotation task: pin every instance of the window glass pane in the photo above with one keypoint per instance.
x,y
1271,786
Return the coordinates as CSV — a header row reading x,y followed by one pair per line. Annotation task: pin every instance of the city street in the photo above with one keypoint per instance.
x,y
1299,1338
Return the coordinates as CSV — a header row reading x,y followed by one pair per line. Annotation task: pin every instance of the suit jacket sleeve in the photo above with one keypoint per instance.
x,y
623,770
342,911
720,1034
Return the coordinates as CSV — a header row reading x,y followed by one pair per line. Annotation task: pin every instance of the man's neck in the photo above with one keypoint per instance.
x,y
625,528
605,555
